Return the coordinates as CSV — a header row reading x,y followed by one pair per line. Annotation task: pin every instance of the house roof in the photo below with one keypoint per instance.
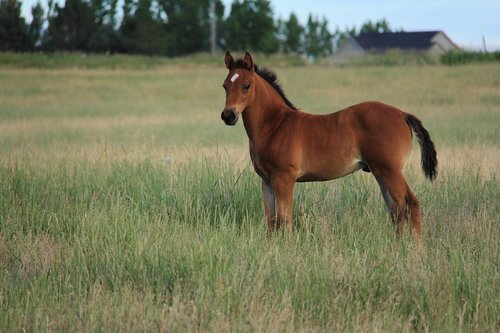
x,y
396,40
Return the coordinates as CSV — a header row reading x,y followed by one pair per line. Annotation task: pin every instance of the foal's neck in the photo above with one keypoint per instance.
x,y
265,112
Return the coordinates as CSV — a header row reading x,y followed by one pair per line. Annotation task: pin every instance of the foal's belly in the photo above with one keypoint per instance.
x,y
331,172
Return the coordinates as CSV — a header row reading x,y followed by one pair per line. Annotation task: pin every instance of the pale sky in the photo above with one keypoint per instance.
x,y
464,21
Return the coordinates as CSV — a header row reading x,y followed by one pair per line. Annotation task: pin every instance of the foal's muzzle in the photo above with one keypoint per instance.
x,y
229,116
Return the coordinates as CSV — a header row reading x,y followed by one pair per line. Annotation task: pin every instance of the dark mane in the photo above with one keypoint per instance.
x,y
270,77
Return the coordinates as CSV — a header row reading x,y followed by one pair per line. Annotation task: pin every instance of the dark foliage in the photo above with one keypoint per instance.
x,y
140,31
465,57
71,26
250,26
13,29
105,40
157,27
35,29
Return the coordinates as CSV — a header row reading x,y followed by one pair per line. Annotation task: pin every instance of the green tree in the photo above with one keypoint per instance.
x,y
379,26
293,34
13,28
36,26
128,8
188,24
325,38
112,11
141,32
104,11
250,26
105,39
319,40
312,44
71,26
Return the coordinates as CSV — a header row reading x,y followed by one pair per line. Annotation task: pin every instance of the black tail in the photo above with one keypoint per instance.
x,y
429,158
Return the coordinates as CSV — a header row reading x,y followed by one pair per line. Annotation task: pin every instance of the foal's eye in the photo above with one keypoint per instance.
x,y
246,86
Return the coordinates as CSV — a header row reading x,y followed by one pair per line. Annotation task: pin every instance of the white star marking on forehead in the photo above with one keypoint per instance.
x,y
235,76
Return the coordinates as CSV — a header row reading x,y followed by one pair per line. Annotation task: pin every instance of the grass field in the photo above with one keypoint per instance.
x,y
127,205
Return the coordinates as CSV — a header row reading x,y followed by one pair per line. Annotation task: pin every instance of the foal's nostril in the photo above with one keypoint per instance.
x,y
229,116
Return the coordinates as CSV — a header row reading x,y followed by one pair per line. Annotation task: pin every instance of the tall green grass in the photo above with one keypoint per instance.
x,y
140,246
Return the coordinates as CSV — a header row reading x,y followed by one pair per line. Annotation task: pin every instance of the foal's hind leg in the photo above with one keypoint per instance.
x,y
401,201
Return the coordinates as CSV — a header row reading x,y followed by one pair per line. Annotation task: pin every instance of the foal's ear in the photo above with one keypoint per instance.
x,y
228,59
248,61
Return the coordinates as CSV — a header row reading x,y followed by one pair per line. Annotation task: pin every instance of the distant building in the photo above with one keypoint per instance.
x,y
428,42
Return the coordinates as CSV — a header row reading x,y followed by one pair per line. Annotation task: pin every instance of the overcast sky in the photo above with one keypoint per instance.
x,y
464,21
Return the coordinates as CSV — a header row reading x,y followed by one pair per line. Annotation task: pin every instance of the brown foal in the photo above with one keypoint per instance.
x,y
288,145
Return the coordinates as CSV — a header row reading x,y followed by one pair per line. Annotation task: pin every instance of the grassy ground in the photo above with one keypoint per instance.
x,y
123,61
127,205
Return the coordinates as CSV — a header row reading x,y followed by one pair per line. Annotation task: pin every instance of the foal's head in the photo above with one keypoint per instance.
x,y
239,86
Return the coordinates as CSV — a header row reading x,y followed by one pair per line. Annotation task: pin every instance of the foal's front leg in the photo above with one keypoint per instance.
x,y
283,190
269,205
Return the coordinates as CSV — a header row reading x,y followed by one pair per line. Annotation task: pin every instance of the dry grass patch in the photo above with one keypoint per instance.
x,y
30,255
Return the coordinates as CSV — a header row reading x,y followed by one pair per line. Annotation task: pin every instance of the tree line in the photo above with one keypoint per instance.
x,y
166,27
